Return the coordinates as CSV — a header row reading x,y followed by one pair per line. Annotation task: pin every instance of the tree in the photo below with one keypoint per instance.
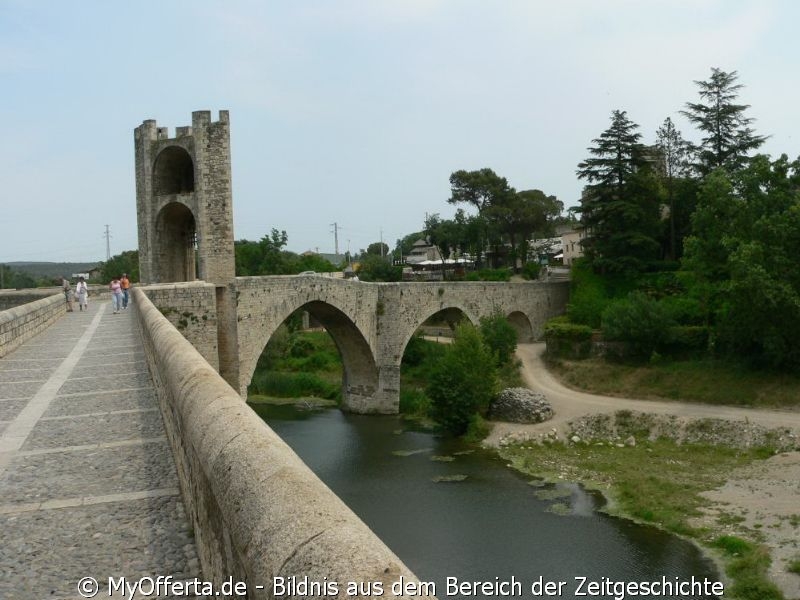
x,y
759,315
463,382
378,248
482,189
375,268
500,336
674,162
727,135
444,234
125,262
620,205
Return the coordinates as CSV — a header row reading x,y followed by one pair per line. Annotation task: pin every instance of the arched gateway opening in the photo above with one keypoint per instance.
x,y
175,243
522,325
308,359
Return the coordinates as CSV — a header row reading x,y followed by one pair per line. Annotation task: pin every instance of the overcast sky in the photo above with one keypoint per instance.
x,y
353,111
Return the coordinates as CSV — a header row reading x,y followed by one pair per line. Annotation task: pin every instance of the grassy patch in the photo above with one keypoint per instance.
x,y
658,482
710,382
293,385
794,566
259,399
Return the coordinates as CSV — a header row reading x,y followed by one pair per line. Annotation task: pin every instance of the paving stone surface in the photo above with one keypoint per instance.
x,y
99,402
87,481
10,408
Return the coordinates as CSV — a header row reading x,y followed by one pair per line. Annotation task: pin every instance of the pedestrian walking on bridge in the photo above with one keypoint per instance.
x,y
116,294
126,284
82,292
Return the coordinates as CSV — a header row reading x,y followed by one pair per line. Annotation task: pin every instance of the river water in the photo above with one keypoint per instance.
x,y
495,523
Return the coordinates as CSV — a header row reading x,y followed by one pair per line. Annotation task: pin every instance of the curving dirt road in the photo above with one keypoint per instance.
x,y
569,404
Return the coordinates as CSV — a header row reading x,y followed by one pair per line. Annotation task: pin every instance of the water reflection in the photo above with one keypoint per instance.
x,y
493,523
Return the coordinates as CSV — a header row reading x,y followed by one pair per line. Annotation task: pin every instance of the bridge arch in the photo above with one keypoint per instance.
x,y
360,376
173,172
522,325
175,242
449,312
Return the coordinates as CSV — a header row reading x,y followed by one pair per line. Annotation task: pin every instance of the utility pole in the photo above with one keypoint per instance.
x,y
108,245
382,243
336,237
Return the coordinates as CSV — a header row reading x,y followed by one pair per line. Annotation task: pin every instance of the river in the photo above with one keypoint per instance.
x,y
495,523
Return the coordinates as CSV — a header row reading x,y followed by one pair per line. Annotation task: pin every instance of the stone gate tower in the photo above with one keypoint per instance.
x,y
183,201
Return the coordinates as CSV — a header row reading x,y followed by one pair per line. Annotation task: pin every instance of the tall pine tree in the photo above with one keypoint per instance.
x,y
727,135
620,204
674,162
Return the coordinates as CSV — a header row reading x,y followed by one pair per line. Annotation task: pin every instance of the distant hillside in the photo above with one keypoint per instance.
x,y
39,270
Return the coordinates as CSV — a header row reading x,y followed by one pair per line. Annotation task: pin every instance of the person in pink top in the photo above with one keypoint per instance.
x,y
116,294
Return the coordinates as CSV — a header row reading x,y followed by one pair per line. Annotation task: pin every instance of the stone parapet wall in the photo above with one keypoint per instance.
x,y
258,512
192,309
23,321
12,298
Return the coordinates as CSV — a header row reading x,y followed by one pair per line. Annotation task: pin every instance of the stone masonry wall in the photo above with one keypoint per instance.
x,y
22,322
12,298
242,484
191,308
377,320
371,323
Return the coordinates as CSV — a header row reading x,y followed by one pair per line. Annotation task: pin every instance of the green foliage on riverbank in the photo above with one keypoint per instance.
x,y
706,381
667,496
298,363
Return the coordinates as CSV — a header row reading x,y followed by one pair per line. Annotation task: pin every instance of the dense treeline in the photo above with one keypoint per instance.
x,y
691,247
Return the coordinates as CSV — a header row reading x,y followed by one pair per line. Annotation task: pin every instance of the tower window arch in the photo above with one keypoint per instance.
x,y
173,172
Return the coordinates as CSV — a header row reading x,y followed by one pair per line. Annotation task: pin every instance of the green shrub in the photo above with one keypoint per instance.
x,y
500,336
794,566
415,351
642,323
292,385
463,382
684,310
562,328
588,297
530,270
299,346
567,340
687,339
414,402
489,275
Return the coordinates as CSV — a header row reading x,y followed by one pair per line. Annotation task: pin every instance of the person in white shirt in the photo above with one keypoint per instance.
x,y
82,292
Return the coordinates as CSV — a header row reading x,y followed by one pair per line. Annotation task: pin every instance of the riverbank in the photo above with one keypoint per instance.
x,y
711,480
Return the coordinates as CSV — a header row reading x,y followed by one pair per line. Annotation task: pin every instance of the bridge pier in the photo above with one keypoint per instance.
x,y
381,400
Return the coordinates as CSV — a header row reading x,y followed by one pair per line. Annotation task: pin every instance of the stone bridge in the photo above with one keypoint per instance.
x,y
370,323
184,211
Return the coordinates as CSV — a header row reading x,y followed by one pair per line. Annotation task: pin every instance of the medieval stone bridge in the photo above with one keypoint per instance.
x,y
185,220
86,486
370,323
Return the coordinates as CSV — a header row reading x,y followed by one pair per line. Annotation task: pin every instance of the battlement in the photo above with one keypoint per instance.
x,y
150,130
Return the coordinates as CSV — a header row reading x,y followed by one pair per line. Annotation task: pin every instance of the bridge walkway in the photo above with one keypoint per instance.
x,y
88,486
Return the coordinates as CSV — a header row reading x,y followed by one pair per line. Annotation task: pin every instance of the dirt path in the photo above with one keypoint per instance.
x,y
765,496
569,404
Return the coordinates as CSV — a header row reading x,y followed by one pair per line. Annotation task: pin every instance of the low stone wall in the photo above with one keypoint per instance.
x,y
258,512
191,307
14,298
24,321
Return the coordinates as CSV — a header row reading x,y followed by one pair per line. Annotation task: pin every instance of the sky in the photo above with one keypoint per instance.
x,y
354,112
